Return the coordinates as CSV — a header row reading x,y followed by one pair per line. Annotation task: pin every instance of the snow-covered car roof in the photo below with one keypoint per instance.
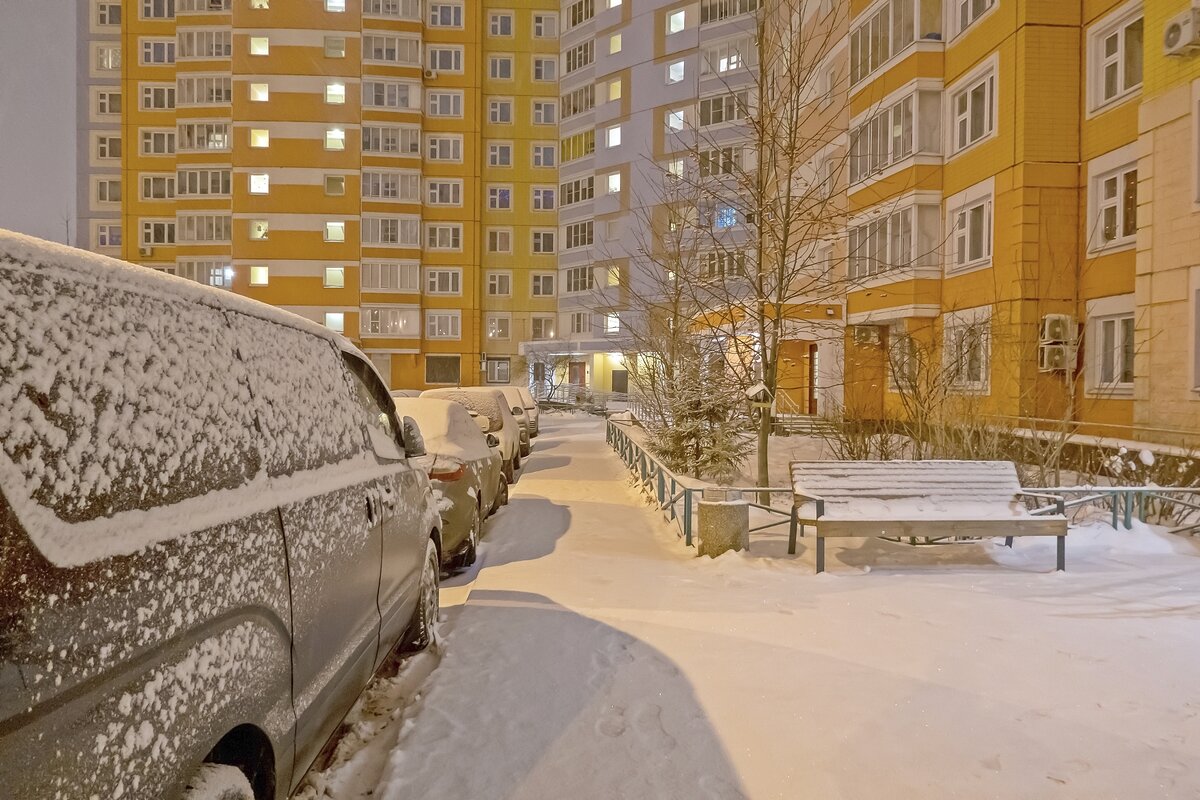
x,y
446,427
488,402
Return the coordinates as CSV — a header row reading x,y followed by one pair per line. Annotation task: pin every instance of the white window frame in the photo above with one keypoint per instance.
x,y
433,280
960,210
434,323
986,76
1115,315
499,240
496,277
1098,61
975,323
1117,164
961,15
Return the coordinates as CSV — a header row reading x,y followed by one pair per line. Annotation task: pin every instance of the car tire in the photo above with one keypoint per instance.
x,y
501,498
422,630
467,557
218,782
509,472
517,460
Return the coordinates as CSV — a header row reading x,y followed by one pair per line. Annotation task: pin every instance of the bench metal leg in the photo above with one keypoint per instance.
x,y
1008,542
1062,554
820,553
792,534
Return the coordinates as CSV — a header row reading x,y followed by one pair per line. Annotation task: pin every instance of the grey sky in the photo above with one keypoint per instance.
x,y
37,116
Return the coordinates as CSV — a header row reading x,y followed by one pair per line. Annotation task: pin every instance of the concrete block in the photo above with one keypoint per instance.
x,y
724,523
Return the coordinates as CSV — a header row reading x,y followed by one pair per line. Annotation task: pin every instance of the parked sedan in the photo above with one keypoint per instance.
x,y
490,403
531,408
464,469
512,396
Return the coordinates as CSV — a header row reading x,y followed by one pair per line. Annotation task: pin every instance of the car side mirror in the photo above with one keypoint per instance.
x,y
484,423
492,441
517,411
414,442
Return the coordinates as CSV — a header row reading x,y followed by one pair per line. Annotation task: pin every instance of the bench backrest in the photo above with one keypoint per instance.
x,y
907,487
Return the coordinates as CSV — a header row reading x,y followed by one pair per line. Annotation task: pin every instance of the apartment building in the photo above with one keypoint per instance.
x,y
383,167
1001,232
98,109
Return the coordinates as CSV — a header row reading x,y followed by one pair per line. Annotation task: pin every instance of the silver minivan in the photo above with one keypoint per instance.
x,y
211,536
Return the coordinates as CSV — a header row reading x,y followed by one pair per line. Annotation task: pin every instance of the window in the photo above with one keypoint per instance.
x,y
260,137
108,58
335,139
396,140
443,281
543,284
902,358
578,101
260,276
580,12
443,324
967,11
578,145
443,237
335,231
545,112
157,97
579,279
543,241
157,231
108,147
499,284
499,369
335,185
157,143
108,103
205,90
108,14
260,4
880,36
335,46
717,10
108,235
675,121
967,350
716,265
500,24
578,234
392,94
335,93
1113,343
545,68
260,183
444,148
443,369
895,133
974,110
498,326
400,322
1115,59
725,216
500,111
720,161
581,322
612,324
335,321
203,182
158,9
108,191
336,6
446,59
545,26
405,231
727,56
906,237
614,183
500,154
612,136
499,240
499,197
391,276
500,67
335,278
204,44
260,92
443,192
579,56
724,108
676,21
158,51
542,327
614,90
389,185
259,229
544,155
404,9
445,15
445,104
260,46
1116,204
543,199
675,72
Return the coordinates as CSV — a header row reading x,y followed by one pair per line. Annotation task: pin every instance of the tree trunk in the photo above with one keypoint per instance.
x,y
764,464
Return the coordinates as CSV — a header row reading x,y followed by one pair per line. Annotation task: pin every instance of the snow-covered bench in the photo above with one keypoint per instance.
x,y
927,499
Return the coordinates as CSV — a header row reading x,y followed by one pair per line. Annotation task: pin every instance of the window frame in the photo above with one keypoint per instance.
x,y
1116,24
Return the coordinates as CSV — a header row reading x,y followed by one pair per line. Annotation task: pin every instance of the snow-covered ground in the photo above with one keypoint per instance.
x,y
591,655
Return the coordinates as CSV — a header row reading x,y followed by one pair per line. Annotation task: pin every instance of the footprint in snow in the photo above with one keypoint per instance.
x,y
611,722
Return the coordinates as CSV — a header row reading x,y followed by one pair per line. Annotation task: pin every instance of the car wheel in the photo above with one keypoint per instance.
x,y
218,782
517,461
509,471
503,492
422,631
467,557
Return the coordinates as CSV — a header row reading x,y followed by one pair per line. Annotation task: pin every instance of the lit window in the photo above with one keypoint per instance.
x,y
614,44
335,277
335,184
675,72
612,136
614,183
675,167
335,46
726,217
675,21
260,3
674,121
259,276
335,5
614,90
614,3
258,229
259,92
260,137
335,231
335,139
612,323
335,93
260,183
259,45
1117,204
335,321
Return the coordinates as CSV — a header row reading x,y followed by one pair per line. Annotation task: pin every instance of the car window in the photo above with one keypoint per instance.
x,y
375,409
113,400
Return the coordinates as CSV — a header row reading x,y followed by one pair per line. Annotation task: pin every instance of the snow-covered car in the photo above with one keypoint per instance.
x,y
532,409
516,406
491,404
211,535
464,469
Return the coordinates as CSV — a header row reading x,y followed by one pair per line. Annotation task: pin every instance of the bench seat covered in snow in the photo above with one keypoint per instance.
x,y
919,499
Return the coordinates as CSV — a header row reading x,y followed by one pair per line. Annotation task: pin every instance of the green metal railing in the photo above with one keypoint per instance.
x,y
1126,502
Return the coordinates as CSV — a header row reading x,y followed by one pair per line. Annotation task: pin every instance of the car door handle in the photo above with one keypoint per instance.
x,y
370,509
389,497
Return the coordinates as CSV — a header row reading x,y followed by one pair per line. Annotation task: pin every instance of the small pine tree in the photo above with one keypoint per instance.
x,y
703,436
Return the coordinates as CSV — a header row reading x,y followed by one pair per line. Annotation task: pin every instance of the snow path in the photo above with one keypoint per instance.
x,y
594,657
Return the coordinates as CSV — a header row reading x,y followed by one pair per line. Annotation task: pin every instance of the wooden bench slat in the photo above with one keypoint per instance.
x,y
862,528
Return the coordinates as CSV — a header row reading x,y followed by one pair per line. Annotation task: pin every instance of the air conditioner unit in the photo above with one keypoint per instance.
x,y
1056,357
1182,34
1059,328
145,252
430,74
867,335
